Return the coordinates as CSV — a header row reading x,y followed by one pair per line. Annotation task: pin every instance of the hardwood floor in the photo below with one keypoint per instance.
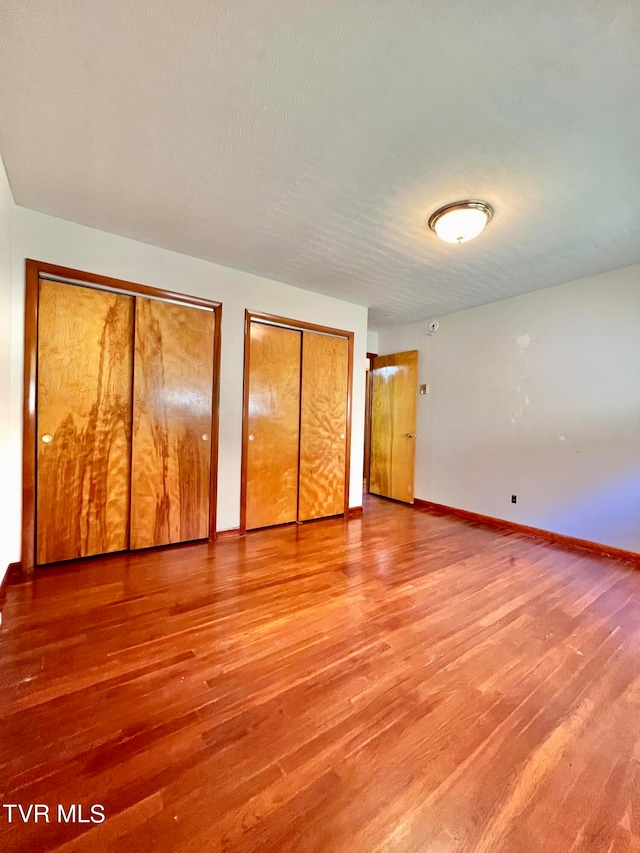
x,y
404,682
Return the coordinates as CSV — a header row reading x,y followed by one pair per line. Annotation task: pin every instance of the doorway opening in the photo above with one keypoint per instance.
x,y
367,422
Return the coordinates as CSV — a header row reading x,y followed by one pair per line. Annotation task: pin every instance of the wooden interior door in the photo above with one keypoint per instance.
x,y
172,416
273,424
393,425
85,360
323,425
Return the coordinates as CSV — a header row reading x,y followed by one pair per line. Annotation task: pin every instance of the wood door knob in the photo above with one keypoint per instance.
x,y
46,438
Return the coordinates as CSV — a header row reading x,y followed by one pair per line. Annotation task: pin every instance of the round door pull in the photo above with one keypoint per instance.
x,y
205,437
251,437
46,438
341,435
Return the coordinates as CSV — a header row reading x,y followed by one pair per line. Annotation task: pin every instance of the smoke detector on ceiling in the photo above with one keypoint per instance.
x,y
433,327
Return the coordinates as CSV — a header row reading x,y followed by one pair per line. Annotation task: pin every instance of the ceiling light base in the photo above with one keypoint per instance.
x,y
461,221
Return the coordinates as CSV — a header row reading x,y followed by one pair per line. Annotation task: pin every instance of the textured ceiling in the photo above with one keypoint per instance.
x,y
308,140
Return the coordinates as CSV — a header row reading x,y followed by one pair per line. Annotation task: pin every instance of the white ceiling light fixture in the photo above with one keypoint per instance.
x,y
461,221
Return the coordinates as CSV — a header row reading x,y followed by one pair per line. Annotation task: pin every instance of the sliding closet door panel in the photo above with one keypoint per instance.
x,y
323,425
172,411
85,358
273,424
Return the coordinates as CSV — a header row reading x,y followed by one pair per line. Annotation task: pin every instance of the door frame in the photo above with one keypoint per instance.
x,y
301,326
67,275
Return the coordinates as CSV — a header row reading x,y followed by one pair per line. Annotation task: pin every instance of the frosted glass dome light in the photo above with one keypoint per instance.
x,y
461,221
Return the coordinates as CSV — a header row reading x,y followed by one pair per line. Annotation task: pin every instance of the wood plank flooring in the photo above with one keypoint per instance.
x,y
405,681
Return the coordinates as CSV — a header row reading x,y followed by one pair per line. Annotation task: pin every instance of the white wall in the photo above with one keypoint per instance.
x,y
537,396
56,241
10,499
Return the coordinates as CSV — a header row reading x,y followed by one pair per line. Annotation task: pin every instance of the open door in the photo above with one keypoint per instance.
x,y
393,425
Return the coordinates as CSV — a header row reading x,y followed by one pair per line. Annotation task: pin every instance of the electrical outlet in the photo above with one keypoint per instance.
x,y
514,499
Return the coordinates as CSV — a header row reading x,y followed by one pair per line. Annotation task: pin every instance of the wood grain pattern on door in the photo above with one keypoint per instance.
x,y
323,425
85,358
172,411
393,425
273,425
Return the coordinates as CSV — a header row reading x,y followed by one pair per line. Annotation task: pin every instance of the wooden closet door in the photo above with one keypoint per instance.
x,y
323,425
85,358
273,424
394,398
172,414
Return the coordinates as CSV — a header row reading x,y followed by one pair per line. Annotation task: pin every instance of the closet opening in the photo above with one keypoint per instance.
x,y
296,430
120,431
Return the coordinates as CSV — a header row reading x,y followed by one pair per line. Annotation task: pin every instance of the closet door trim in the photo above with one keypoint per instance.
x,y
35,270
299,325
